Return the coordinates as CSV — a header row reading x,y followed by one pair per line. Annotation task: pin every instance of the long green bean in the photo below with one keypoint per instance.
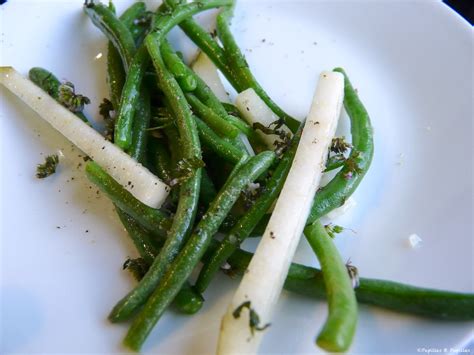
x,y
115,67
145,244
222,148
187,300
151,219
346,181
130,96
131,90
430,303
340,325
188,196
50,83
160,159
194,249
212,119
115,30
244,227
230,60
141,122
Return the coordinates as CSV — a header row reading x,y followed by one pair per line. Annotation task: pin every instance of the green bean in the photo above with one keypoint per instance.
x,y
50,83
115,67
430,303
131,90
240,66
187,300
141,122
222,148
207,97
341,187
187,83
244,227
182,222
146,246
208,190
230,60
205,42
188,195
151,219
341,322
334,163
115,30
160,159
45,80
194,249
202,91
129,98
213,120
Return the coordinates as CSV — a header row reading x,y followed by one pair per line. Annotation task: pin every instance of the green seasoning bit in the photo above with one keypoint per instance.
x,y
69,99
254,319
48,167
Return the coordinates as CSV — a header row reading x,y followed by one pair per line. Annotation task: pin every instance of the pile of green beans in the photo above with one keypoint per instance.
x,y
168,119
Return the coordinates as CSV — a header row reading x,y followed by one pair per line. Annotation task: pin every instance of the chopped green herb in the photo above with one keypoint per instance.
x,y
275,128
69,99
48,167
254,319
137,267
107,111
339,145
185,168
333,229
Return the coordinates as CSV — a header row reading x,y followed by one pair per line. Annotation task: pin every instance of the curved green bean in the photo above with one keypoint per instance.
x,y
346,181
425,302
141,122
182,222
187,300
145,245
341,322
188,195
50,83
131,89
115,67
130,96
341,187
244,227
212,119
222,148
115,30
194,249
151,219
160,159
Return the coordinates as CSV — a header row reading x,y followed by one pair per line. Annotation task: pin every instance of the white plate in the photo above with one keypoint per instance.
x,y
63,247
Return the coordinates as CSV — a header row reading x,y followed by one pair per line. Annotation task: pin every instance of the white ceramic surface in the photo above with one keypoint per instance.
x,y
62,246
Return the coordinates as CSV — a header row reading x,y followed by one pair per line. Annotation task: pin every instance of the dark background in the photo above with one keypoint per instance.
x,y
464,7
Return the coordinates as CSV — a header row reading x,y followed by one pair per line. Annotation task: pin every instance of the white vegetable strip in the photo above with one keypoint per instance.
x,y
207,71
253,109
263,280
145,186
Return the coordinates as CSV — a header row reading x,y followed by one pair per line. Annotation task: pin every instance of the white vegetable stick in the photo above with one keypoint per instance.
x,y
264,277
253,109
207,71
133,176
